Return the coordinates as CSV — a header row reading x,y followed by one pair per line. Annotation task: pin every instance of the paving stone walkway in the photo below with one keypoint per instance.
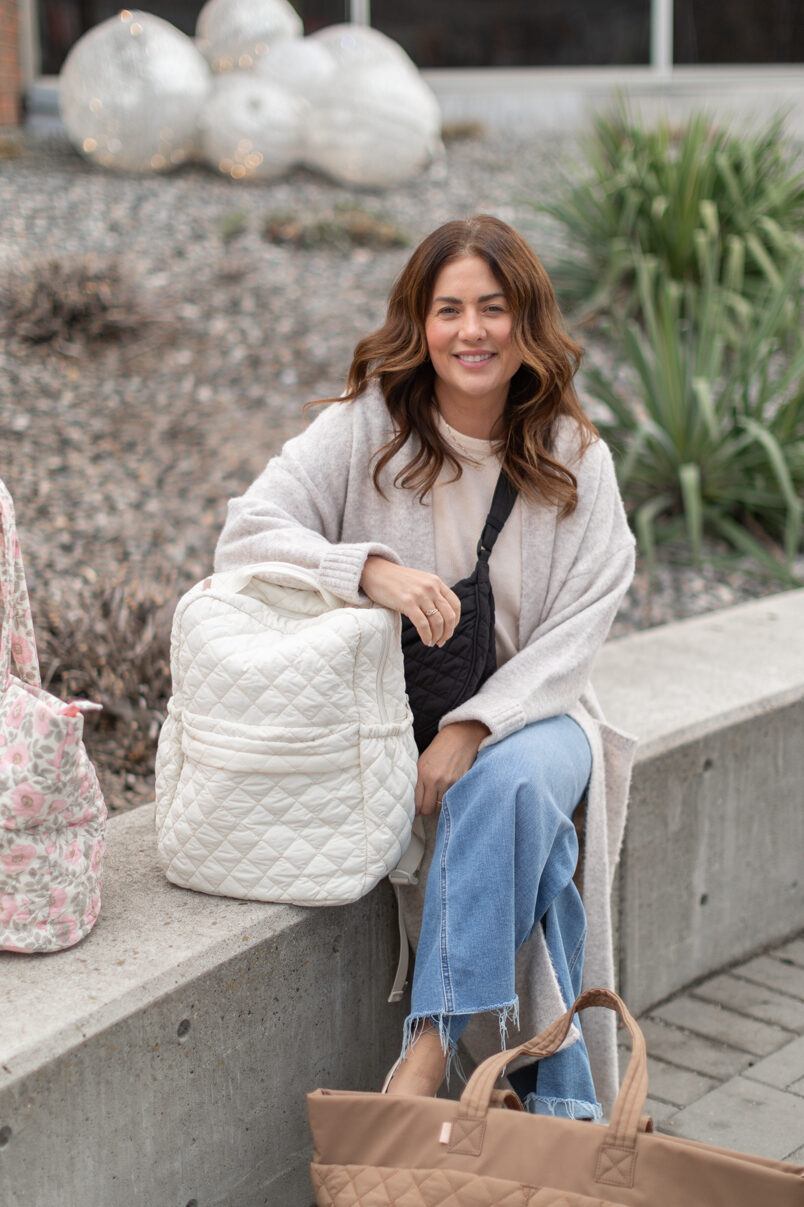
x,y
726,1058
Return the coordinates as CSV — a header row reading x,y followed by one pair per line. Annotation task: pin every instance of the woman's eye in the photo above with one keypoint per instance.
x,y
447,310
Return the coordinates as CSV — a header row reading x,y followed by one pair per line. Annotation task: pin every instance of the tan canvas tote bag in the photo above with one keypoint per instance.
x,y
371,1150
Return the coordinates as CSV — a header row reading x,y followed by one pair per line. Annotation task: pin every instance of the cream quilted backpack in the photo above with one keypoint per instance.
x,y
286,766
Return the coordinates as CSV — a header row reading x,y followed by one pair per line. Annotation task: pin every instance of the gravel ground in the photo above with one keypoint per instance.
x,y
121,451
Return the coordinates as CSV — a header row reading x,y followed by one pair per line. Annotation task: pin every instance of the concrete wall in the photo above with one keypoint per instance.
x,y
712,865
562,100
163,1062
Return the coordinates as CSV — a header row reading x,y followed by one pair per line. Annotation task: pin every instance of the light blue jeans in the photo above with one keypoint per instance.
x,y
504,857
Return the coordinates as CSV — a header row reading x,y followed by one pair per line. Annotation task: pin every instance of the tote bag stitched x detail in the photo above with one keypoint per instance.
x,y
371,1150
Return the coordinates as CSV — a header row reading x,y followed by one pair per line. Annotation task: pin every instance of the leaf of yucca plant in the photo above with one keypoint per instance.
x,y
689,477
650,445
741,540
657,188
788,418
781,240
644,519
619,406
729,178
734,273
709,217
702,389
658,207
762,258
717,429
778,464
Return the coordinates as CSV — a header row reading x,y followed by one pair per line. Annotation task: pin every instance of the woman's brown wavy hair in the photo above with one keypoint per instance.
x,y
541,390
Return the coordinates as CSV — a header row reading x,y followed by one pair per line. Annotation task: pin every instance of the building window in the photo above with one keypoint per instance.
x,y
518,33
510,33
62,22
738,31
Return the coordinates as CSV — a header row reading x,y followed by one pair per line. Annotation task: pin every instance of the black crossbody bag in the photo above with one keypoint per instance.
x,y
438,680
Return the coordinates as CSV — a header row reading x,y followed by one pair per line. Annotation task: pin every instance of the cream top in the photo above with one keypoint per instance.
x,y
459,513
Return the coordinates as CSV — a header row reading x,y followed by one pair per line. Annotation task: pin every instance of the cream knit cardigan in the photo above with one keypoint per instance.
x,y
316,505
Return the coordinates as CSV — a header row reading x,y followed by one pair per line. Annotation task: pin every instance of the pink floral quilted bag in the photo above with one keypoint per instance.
x,y
52,814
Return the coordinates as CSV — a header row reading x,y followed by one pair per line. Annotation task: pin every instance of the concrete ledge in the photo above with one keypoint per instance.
x,y
712,867
163,1062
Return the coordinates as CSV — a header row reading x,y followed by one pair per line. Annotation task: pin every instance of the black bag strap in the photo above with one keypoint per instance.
x,y
502,504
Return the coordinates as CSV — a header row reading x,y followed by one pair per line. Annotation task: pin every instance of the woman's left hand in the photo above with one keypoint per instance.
x,y
449,756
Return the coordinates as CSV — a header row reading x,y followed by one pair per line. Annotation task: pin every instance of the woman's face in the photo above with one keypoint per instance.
x,y
468,331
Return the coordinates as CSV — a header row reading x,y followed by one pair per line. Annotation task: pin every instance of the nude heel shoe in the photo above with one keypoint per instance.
x,y
390,1075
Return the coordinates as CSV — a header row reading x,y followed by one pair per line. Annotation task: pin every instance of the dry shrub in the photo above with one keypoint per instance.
x,y
462,131
112,646
10,146
346,227
68,300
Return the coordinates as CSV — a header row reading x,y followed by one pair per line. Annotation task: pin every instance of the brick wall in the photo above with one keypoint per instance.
x,y
10,75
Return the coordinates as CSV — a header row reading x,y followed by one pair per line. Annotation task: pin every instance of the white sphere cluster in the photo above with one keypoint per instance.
x,y
375,127
235,33
250,95
131,92
251,127
301,65
361,46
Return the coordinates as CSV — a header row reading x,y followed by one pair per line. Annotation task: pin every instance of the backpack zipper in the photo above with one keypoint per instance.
x,y
380,669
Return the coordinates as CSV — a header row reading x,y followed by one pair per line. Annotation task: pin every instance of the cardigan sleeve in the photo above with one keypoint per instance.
x,y
593,564
293,512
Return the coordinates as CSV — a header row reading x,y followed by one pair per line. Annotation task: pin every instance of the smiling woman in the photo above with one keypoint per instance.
x,y
459,422
468,332
398,357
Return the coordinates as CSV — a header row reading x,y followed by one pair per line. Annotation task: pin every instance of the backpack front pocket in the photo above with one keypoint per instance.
x,y
261,814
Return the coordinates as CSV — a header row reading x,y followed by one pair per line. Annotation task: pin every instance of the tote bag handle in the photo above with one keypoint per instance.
x,y
17,641
620,1142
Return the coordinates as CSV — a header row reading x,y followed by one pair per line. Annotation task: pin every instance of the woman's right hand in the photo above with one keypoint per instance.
x,y
413,593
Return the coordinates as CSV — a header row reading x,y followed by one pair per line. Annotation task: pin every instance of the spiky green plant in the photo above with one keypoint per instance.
x,y
712,439
653,191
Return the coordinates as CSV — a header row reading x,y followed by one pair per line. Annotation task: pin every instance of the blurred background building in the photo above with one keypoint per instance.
x,y
505,60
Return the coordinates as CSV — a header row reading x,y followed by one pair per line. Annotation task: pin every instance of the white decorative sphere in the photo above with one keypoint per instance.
x,y
236,33
130,93
251,128
374,126
361,46
301,65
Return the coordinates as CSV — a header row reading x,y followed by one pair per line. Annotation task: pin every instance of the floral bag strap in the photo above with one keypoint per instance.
x,y
17,641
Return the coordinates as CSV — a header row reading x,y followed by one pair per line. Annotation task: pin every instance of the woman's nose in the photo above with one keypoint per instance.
x,y
472,327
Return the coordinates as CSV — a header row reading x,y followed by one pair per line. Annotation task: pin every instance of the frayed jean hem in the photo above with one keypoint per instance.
x,y
450,1028
562,1108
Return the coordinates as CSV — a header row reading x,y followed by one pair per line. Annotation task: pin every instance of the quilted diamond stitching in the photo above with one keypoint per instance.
x,y
313,846
371,1186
